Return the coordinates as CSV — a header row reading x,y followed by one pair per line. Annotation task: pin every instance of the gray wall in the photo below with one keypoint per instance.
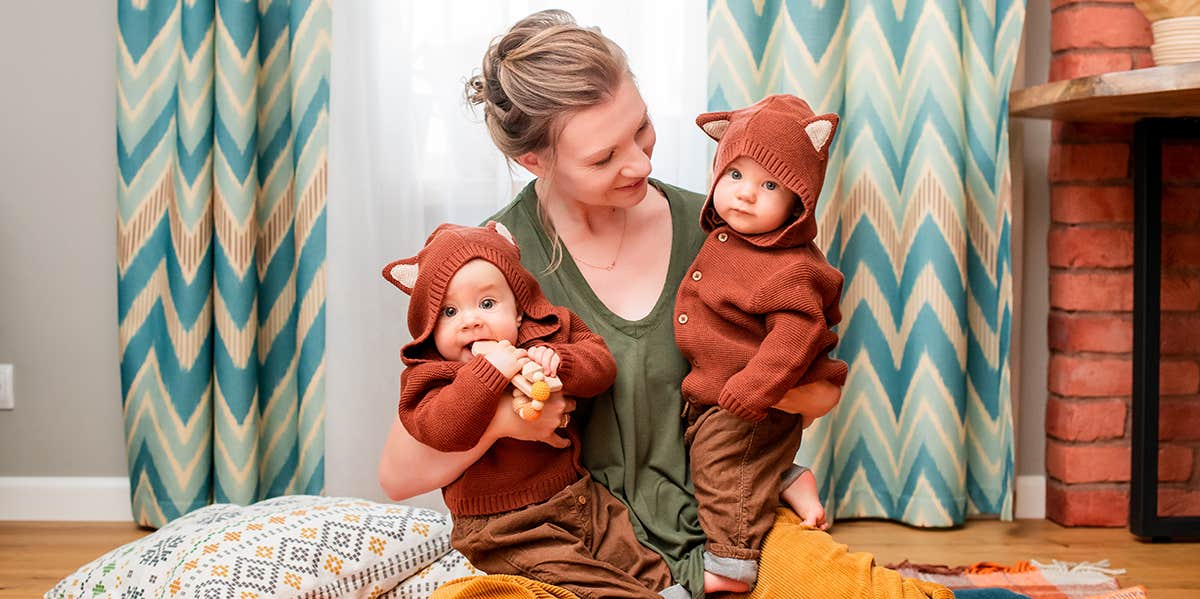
x,y
1030,348
58,255
58,289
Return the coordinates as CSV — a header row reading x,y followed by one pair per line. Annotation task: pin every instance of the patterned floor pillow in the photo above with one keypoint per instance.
x,y
294,546
421,585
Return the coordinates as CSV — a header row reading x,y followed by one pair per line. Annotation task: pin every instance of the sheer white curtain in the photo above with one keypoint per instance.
x,y
407,153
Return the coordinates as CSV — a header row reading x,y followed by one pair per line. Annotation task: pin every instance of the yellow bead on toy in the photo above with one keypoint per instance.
x,y
531,390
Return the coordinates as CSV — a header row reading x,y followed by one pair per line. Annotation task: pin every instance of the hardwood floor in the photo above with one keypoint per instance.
x,y
35,555
1167,570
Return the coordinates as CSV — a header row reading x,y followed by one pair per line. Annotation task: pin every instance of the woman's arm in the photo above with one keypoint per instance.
x,y
812,400
408,468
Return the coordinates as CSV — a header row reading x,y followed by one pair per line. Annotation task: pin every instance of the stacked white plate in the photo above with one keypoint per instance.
x,y
1176,40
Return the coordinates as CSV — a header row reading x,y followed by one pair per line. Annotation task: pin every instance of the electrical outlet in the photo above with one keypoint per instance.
x,y
6,386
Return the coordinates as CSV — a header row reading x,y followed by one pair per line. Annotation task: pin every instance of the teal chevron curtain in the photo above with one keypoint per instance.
x,y
916,213
222,129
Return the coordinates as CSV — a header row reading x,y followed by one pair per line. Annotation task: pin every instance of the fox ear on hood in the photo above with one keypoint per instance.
x,y
502,230
820,131
403,273
714,123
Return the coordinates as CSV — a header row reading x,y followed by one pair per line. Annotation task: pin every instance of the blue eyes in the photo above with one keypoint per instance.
x,y
486,304
736,175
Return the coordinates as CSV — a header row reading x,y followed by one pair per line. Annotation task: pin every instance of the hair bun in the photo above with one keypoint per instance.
x,y
543,68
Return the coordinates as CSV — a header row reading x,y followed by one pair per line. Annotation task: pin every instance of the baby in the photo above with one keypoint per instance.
x,y
754,317
525,507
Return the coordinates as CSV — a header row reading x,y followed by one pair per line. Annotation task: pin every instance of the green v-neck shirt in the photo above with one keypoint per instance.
x,y
633,434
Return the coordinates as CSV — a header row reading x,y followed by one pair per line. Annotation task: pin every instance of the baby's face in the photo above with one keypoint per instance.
x,y
750,199
479,305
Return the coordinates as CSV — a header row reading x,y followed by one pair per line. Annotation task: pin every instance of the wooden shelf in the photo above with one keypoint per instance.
x,y
1121,97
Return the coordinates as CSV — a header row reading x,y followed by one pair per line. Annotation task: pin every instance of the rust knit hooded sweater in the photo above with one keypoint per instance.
x,y
754,314
448,405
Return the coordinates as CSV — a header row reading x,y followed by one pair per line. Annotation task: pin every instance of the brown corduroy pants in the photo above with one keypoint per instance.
x,y
580,539
737,467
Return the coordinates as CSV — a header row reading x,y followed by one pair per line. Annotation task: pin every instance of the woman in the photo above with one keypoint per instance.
x,y
613,245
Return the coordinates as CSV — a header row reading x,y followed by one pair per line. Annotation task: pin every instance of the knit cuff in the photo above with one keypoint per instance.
x,y
566,365
489,376
742,405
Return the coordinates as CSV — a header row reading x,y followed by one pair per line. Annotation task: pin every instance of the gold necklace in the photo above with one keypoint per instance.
x,y
620,241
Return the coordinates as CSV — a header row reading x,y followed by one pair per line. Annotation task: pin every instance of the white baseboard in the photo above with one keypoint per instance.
x,y
74,498
1031,498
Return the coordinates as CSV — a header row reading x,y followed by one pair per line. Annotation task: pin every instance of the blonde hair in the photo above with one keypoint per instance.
x,y
536,75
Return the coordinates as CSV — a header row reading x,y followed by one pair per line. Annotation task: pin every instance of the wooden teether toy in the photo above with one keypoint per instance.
x,y
531,381
534,383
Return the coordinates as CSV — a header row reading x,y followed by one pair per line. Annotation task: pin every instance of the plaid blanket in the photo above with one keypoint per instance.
x,y
1055,580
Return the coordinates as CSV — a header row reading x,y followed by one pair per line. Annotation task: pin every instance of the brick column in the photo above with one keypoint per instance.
x,y
1090,250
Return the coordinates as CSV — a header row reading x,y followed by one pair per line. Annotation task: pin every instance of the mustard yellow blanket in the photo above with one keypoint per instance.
x,y
797,562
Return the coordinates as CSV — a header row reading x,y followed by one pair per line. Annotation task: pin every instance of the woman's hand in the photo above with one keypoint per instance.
x,y
812,400
506,422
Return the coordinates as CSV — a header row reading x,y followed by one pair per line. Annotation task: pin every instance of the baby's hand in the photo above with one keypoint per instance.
x,y
547,358
506,358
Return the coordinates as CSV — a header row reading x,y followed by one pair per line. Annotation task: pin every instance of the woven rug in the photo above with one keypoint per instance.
x,y
1055,580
